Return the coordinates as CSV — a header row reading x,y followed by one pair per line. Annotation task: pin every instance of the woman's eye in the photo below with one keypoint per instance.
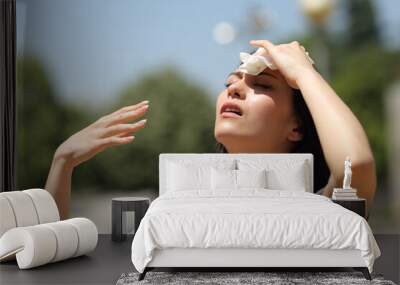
x,y
263,86
227,84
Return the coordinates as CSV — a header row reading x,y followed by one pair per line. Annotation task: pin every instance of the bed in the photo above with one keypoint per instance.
x,y
247,210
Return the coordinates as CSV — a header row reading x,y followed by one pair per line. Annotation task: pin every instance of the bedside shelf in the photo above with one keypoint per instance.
x,y
138,205
357,206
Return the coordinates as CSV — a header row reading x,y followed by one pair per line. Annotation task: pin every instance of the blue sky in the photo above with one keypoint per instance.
x,y
93,48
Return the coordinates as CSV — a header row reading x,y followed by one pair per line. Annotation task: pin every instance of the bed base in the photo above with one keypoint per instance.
x,y
364,270
242,259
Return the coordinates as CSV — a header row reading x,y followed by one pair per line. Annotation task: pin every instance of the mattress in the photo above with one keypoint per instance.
x,y
250,218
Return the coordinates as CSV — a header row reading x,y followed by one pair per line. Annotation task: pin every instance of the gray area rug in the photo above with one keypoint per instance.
x,y
225,278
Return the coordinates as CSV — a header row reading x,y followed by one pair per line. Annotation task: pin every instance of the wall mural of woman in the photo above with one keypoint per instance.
x,y
290,109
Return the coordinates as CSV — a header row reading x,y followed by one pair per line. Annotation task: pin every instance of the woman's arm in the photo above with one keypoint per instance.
x,y
109,130
59,183
341,134
339,130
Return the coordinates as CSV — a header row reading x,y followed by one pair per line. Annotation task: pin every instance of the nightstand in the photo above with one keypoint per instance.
x,y
122,206
357,206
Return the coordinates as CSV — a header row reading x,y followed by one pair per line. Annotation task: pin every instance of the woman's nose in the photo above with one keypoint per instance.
x,y
236,90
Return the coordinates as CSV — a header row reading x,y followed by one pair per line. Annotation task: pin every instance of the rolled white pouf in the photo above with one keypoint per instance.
x,y
23,208
87,234
67,239
7,218
33,245
45,205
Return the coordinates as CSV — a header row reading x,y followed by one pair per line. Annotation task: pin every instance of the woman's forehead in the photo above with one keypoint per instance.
x,y
266,72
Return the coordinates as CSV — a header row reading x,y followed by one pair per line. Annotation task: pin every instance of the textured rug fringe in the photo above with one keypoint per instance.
x,y
243,278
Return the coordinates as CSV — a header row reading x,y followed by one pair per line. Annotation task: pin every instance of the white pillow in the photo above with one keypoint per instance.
x,y
282,174
188,177
291,179
228,179
223,179
251,178
193,175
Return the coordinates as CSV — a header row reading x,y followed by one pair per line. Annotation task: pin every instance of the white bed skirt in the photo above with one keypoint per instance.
x,y
253,257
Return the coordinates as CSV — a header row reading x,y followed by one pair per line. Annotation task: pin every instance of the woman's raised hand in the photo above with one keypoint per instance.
x,y
109,130
291,59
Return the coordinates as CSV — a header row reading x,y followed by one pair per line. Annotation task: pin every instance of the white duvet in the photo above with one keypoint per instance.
x,y
251,218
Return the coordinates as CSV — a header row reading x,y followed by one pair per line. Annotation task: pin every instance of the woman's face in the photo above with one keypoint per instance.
x,y
265,122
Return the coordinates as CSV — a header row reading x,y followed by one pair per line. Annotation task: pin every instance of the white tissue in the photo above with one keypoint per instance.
x,y
255,63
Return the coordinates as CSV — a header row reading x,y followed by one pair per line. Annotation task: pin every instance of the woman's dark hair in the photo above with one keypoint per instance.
x,y
309,144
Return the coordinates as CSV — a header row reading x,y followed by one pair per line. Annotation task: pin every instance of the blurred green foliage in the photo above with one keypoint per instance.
x,y
362,27
180,119
181,115
43,122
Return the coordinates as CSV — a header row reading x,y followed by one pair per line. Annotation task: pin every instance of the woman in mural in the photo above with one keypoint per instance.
x,y
290,109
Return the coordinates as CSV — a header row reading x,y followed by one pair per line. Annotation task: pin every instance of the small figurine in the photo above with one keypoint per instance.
x,y
347,173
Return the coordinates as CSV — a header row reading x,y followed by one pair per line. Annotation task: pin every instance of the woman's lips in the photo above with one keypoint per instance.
x,y
231,110
229,115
